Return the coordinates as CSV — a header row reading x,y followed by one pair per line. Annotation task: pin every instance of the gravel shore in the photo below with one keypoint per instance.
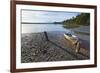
x,y
35,48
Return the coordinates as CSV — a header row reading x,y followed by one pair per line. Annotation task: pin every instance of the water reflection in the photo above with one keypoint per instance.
x,y
35,28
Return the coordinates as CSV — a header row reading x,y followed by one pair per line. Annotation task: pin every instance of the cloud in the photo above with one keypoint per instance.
x,y
46,16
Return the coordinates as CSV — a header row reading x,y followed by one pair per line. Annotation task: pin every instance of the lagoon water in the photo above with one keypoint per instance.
x,y
36,28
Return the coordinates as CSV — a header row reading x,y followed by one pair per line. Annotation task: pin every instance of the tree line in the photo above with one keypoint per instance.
x,y
81,19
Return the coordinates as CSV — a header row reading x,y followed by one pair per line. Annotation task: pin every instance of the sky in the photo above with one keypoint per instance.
x,y
46,16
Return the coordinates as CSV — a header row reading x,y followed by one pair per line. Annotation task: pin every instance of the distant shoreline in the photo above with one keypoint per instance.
x,y
41,23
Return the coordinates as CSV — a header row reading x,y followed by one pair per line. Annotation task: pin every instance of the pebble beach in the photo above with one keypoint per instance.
x,y
35,48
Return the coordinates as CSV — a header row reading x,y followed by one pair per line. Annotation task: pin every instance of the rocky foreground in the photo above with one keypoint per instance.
x,y
35,48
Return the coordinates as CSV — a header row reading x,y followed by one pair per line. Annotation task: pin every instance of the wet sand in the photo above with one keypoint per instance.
x,y
35,48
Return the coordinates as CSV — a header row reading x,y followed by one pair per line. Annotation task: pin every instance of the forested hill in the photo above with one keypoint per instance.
x,y
81,19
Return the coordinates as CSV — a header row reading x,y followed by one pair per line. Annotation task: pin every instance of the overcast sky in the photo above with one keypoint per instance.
x,y
46,16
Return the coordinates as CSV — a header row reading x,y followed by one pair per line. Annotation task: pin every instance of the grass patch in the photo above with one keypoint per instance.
x,y
71,26
83,33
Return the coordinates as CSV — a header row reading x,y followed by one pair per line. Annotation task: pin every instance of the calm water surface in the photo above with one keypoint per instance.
x,y
35,28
